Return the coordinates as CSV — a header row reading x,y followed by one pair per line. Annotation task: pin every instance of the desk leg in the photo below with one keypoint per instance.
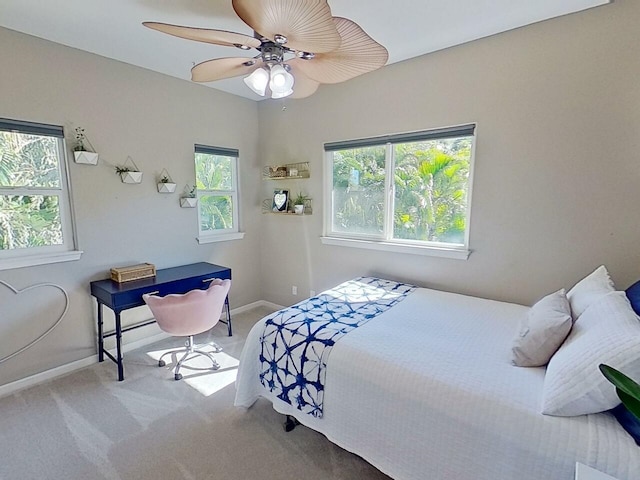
x,y
100,334
226,303
119,347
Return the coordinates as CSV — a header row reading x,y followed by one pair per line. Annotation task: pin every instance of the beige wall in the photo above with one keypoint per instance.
x,y
557,167
126,111
556,171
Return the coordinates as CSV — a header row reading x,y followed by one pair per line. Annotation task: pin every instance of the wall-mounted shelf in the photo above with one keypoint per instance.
x,y
289,171
267,207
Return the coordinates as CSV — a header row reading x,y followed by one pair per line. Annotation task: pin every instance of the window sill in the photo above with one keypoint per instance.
x,y
221,237
42,259
456,253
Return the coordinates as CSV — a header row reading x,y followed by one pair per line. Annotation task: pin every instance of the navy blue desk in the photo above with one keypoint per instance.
x,y
121,296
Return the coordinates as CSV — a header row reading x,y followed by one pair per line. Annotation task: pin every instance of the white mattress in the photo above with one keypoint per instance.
x,y
427,390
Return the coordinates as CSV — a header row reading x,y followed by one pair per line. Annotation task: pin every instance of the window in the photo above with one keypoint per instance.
x,y
36,224
217,192
407,192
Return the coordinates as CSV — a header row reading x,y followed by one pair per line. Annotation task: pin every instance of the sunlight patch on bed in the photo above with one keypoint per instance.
x,y
197,372
356,292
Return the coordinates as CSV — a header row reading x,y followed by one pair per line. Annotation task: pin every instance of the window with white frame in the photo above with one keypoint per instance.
x,y
217,192
407,192
36,224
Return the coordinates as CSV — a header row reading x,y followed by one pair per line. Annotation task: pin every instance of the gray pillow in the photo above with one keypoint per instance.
x,y
542,331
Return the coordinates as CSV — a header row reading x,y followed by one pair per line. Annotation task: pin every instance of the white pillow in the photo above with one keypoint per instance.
x,y
542,331
607,332
588,290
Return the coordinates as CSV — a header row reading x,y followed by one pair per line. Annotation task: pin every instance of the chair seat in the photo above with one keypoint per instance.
x,y
188,314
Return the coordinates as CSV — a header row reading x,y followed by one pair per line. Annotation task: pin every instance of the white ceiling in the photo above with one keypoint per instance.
x,y
407,28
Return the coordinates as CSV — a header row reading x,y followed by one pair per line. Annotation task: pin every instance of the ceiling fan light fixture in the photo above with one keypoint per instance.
x,y
281,94
325,49
258,81
281,81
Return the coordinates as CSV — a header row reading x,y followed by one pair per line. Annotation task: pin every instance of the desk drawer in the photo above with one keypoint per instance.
x,y
133,298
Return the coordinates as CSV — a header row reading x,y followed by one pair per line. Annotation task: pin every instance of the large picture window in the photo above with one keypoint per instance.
x,y
35,213
217,192
407,190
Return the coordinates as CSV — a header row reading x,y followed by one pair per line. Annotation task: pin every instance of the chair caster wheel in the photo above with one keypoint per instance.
x,y
161,363
178,376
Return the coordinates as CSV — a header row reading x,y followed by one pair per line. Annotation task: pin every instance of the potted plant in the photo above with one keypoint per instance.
x,y
189,199
81,153
628,413
299,202
129,174
165,183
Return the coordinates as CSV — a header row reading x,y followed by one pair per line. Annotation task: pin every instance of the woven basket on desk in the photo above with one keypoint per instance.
x,y
133,272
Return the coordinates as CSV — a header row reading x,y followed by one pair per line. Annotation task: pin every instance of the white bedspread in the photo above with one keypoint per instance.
x,y
426,390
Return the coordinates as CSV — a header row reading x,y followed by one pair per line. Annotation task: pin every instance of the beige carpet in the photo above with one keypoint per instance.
x,y
87,425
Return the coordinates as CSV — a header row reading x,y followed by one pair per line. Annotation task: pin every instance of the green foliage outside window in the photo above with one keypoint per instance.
x,y
214,178
430,181
29,185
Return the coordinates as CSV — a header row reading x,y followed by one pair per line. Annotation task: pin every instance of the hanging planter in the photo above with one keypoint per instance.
x,y
81,154
166,183
85,157
129,174
188,202
189,198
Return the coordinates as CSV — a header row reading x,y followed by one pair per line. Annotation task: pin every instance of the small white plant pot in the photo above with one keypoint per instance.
x,y
87,158
298,209
188,202
131,177
166,187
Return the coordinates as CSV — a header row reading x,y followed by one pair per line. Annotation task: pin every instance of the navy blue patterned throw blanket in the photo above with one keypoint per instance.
x,y
296,341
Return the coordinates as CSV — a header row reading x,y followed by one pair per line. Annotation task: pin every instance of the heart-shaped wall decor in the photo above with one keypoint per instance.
x,y
279,200
17,292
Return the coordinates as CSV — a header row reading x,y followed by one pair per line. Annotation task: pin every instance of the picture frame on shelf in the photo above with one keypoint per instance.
x,y
280,201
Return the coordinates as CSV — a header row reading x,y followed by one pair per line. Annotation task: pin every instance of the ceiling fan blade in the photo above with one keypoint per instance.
x,y
358,54
217,37
220,68
307,24
303,86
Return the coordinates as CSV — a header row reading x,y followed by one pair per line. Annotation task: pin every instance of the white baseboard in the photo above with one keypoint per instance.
x,y
42,377
275,306
13,387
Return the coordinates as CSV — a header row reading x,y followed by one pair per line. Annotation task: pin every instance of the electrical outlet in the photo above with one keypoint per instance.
x,y
294,290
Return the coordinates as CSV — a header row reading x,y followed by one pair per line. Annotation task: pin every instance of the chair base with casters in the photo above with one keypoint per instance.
x,y
190,349
189,314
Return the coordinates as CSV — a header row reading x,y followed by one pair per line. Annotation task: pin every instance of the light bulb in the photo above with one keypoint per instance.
x,y
257,81
281,83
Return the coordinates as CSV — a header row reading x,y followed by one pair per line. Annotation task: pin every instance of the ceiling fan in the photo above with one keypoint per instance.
x,y
300,44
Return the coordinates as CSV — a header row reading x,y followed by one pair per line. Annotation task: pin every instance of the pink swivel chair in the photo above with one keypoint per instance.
x,y
189,314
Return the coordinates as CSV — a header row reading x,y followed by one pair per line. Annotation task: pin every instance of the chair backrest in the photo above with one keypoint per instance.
x,y
191,313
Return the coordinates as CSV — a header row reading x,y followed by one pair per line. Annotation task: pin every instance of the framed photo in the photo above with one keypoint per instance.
x,y
280,200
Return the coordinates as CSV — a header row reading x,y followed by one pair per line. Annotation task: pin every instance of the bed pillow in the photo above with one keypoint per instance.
x,y
588,290
542,331
607,332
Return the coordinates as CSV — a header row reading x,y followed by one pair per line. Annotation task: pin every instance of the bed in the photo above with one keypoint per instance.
x,y
423,387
